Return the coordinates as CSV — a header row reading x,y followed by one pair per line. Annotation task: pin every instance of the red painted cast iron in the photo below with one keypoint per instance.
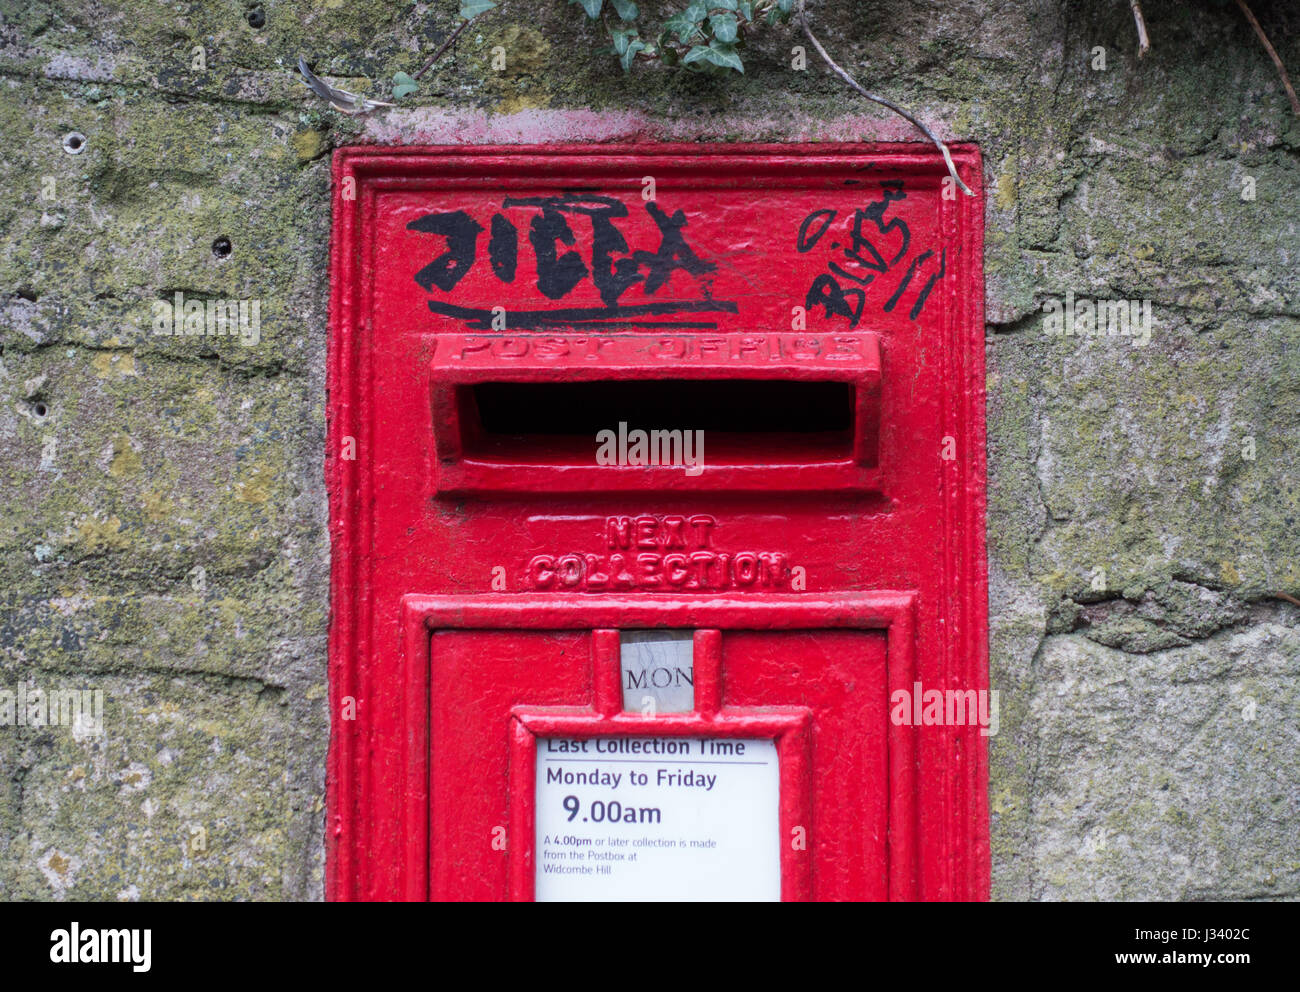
x,y
817,313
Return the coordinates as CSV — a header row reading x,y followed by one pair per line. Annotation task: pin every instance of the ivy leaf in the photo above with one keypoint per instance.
x,y
470,9
698,53
630,54
592,7
724,56
725,4
746,10
680,25
780,11
403,85
621,36
626,9
724,27
686,23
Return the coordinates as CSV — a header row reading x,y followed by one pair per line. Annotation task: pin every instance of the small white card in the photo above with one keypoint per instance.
x,y
645,819
658,671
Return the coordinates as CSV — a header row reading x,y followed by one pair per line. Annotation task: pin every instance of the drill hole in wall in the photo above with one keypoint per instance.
x,y
256,18
222,247
74,142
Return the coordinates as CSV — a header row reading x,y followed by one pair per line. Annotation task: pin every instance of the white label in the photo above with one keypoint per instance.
x,y
646,819
658,671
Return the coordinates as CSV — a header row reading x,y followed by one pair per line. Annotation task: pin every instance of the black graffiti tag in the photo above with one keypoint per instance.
x,y
864,258
560,264
461,231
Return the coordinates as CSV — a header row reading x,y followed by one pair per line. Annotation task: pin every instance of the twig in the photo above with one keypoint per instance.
x,y
1289,599
1144,43
445,45
853,83
1268,47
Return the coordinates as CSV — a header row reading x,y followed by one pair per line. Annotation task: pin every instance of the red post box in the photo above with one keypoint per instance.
x,y
657,510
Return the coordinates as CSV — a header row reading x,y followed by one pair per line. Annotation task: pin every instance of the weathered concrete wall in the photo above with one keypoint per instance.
x,y
1149,744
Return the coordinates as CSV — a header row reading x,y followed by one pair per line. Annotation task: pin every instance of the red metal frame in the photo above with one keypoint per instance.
x,y
881,527
891,613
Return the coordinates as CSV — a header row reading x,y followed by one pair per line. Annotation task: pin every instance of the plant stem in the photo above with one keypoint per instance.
x,y
1268,47
1144,43
853,83
445,45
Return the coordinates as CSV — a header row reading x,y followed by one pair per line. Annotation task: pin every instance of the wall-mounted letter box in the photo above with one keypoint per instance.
x,y
657,510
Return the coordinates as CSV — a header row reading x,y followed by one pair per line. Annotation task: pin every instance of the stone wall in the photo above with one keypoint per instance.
x,y
163,528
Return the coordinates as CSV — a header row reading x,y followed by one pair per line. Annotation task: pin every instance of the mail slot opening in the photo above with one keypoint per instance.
x,y
735,421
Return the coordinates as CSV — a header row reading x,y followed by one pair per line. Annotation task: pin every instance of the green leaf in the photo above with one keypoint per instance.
x,y
621,38
626,9
630,54
681,25
403,85
592,7
746,10
696,12
724,56
724,4
724,27
470,9
785,6
698,53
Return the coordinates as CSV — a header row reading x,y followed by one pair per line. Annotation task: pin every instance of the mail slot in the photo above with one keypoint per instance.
x,y
657,518
521,425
